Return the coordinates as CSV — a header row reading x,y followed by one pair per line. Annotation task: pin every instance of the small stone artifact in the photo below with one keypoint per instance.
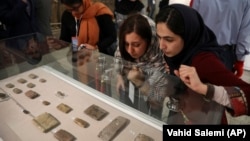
x,y
32,94
31,85
46,102
143,137
17,91
45,122
21,80
113,128
96,112
33,76
42,80
81,122
64,108
10,85
63,135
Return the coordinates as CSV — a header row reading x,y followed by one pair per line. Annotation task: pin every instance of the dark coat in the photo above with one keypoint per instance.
x,y
17,20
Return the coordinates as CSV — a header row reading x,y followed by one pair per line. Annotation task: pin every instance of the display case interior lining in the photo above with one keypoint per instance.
x,y
76,95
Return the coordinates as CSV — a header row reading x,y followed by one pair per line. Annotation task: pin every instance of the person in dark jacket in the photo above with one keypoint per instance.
x,y
123,8
18,16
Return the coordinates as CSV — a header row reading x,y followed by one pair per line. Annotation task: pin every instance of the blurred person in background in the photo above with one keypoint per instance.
x,y
18,16
123,8
89,24
230,21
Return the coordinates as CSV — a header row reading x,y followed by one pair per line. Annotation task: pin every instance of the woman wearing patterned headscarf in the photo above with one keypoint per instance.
x,y
145,67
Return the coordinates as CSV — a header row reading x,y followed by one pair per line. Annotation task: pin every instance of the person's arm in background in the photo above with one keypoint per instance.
x,y
67,27
108,33
243,42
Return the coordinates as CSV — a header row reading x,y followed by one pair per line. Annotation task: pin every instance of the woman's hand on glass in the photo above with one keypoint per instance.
x,y
120,84
189,76
136,76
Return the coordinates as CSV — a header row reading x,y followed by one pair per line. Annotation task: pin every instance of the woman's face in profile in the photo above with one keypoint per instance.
x,y
135,45
170,43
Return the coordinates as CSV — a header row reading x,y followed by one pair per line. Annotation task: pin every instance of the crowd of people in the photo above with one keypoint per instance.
x,y
194,43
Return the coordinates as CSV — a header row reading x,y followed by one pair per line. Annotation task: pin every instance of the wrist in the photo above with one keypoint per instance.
x,y
210,92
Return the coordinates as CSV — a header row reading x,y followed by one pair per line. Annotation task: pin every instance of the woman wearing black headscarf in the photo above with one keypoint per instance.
x,y
193,54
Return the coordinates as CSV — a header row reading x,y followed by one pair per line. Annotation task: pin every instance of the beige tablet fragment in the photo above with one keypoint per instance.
x,y
45,122
3,96
63,135
32,76
143,137
42,80
10,85
113,128
31,85
46,102
64,108
32,94
21,80
17,91
96,112
81,122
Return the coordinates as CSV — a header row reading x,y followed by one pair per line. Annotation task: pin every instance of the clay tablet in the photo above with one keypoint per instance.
x,y
31,85
64,108
81,122
96,112
32,94
33,76
63,135
17,91
46,122
143,137
10,85
21,80
113,128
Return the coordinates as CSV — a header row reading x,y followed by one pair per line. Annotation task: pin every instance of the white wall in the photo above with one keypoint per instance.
x,y
185,2
247,63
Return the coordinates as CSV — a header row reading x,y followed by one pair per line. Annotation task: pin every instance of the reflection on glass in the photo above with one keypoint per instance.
x,y
101,61
173,104
118,65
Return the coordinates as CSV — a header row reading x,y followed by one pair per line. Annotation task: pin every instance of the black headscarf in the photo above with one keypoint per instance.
x,y
197,37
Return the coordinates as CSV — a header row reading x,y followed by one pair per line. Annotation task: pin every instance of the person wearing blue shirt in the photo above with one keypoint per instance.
x,y
230,21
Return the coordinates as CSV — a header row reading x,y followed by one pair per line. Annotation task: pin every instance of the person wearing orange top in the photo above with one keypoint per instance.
x,y
90,24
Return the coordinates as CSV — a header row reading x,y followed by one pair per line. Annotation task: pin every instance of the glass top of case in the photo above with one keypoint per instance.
x,y
164,98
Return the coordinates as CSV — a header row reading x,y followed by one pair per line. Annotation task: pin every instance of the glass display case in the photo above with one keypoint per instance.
x,y
49,94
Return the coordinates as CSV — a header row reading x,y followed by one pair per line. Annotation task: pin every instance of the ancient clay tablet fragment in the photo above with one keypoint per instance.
x,y
63,135
32,94
10,85
32,76
113,128
42,80
96,112
143,137
21,80
64,108
46,102
3,95
45,122
31,85
81,122
17,91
